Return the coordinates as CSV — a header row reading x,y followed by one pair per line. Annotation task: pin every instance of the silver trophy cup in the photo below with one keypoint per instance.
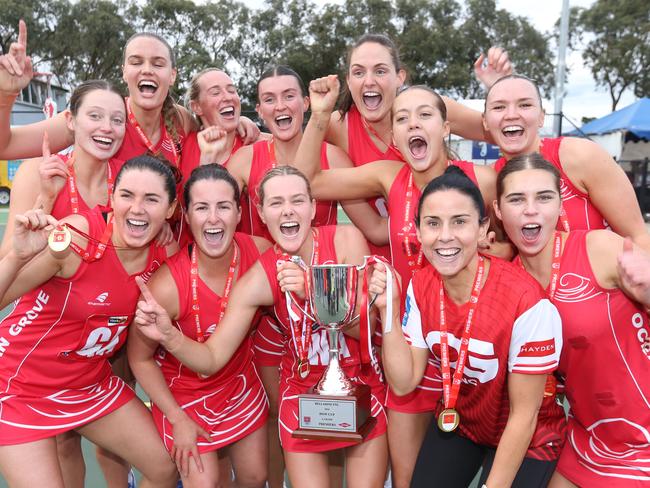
x,y
336,408
333,297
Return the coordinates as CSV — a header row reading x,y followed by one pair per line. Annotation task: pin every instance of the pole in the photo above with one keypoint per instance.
x,y
561,68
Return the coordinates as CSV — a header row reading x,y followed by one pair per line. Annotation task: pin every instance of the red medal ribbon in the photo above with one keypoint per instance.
x,y
72,185
163,133
194,278
414,263
555,265
303,345
451,387
102,244
391,146
272,158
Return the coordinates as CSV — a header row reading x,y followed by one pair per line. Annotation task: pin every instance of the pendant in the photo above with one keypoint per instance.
x,y
59,239
448,420
303,369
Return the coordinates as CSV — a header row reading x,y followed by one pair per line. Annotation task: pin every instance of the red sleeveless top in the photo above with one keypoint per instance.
x,y
261,163
177,376
401,221
580,212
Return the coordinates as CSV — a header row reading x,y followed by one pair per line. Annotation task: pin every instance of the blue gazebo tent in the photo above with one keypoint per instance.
x,y
634,118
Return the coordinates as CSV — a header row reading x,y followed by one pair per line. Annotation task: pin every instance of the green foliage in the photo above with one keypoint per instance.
x,y
616,34
439,40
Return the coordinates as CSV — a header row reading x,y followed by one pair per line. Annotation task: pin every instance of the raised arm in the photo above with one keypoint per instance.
x,y
36,185
404,362
466,122
323,93
25,141
28,263
251,291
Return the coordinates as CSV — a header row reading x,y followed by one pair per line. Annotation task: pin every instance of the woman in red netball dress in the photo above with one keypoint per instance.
x,y
596,193
154,122
72,316
599,284
82,179
505,336
419,130
68,184
282,101
287,208
214,101
198,415
362,125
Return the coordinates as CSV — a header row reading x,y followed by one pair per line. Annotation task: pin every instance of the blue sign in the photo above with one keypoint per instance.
x,y
483,150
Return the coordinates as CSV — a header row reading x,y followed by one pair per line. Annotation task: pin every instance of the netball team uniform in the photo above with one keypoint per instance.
x,y
291,384
55,344
135,144
515,329
362,150
268,336
407,259
263,160
230,404
606,373
64,206
580,212
190,159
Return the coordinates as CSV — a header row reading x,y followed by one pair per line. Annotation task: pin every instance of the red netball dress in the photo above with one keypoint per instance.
x,y
264,160
515,330
55,345
606,373
362,150
407,259
231,403
291,384
580,212
69,201
136,142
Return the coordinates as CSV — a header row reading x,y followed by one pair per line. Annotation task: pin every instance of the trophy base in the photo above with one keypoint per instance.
x,y
335,418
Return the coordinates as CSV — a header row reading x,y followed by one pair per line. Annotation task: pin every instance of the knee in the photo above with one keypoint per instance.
x,y
68,445
252,479
162,474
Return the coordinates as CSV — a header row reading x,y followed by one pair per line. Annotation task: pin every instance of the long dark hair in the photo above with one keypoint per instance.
x,y
346,101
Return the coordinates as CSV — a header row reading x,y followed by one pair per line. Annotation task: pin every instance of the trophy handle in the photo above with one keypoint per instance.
x,y
289,297
362,267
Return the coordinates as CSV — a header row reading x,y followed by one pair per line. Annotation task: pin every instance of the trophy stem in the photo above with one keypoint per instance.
x,y
334,382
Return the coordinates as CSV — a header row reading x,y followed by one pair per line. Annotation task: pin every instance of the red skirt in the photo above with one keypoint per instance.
x,y
25,418
229,413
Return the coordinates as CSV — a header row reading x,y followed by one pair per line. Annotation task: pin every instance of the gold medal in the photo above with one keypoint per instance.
x,y
303,369
448,420
59,239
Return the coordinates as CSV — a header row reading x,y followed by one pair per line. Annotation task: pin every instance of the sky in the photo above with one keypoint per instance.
x,y
583,98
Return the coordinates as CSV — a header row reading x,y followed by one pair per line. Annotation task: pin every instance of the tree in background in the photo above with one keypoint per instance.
x,y
439,40
616,34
